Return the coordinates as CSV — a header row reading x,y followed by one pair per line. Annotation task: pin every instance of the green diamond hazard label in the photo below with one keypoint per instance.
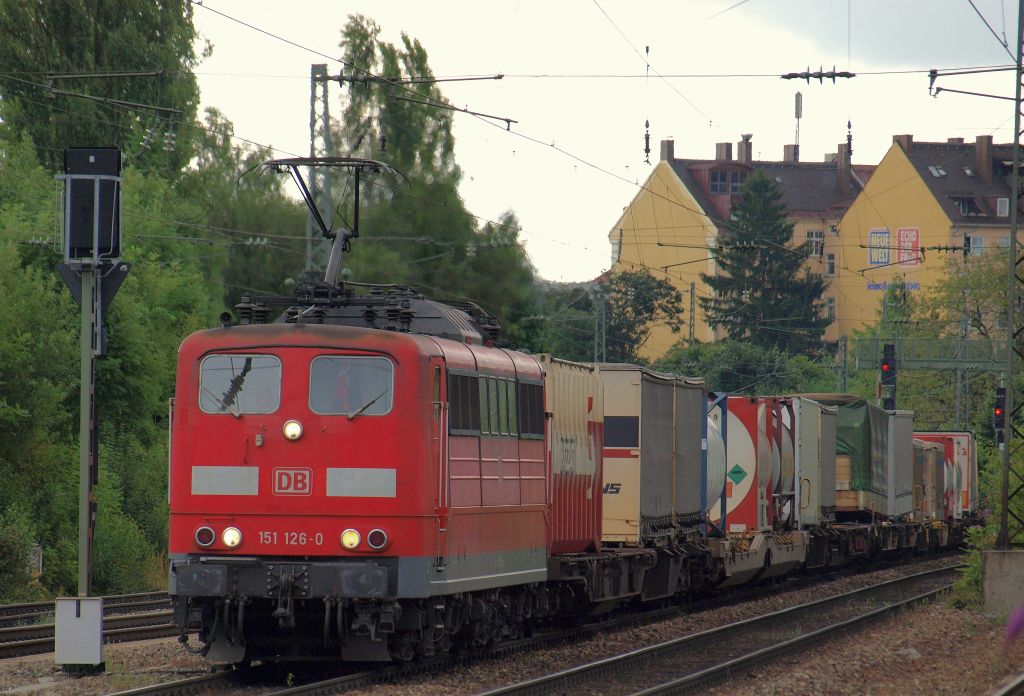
x,y
736,474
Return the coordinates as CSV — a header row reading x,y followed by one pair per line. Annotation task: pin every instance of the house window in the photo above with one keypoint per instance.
x,y
736,181
815,243
1002,207
968,207
719,182
830,309
830,264
723,181
975,246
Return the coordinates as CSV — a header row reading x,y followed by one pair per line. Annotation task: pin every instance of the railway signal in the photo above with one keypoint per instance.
x,y
999,415
887,376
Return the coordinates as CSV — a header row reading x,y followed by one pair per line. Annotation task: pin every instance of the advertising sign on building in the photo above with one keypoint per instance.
x,y
879,246
908,246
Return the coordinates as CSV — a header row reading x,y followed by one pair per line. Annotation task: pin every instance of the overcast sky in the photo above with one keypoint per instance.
x,y
577,78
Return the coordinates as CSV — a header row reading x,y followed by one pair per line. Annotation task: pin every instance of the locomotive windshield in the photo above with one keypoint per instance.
x,y
238,384
351,385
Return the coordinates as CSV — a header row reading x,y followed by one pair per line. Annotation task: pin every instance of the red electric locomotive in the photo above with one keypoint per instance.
x,y
351,491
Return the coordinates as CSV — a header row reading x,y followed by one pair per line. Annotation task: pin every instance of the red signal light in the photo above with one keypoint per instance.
x,y
886,367
998,411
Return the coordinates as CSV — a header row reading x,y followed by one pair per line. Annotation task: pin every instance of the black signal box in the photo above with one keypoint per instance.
x,y
92,226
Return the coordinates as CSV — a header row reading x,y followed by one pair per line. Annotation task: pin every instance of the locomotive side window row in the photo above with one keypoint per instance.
x,y
463,404
495,406
531,411
237,384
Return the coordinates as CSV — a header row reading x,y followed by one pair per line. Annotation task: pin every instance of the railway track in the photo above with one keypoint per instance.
x,y
113,605
16,641
1014,686
876,597
687,664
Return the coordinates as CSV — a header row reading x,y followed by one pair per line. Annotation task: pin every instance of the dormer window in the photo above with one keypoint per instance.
x,y
968,207
724,181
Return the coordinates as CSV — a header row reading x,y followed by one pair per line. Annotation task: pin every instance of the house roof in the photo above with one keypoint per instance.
x,y
809,189
950,171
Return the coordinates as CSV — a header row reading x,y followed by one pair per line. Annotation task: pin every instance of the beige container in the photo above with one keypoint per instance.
x,y
652,454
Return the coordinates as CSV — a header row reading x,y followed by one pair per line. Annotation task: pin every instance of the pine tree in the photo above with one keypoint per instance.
x,y
764,294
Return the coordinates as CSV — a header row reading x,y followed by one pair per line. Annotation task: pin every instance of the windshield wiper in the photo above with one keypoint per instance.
x,y
367,405
223,406
235,385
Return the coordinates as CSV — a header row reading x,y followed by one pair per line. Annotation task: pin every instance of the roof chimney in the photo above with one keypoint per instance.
x,y
954,141
745,149
843,168
905,141
723,152
790,153
983,157
668,150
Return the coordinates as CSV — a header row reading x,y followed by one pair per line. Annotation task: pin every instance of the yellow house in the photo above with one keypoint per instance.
x,y
923,202
673,223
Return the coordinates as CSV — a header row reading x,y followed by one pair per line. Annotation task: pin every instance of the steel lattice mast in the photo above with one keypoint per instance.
x,y
1014,401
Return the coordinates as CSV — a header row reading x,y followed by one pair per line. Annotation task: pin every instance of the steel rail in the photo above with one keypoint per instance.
x,y
32,608
560,681
31,640
141,605
181,687
742,664
1014,687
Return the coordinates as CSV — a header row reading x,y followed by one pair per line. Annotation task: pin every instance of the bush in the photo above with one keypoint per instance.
x,y
17,535
968,590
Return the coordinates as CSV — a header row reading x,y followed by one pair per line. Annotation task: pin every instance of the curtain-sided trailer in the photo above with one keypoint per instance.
x,y
961,456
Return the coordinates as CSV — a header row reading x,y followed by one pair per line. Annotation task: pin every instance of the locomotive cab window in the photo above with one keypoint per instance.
x,y
239,384
351,385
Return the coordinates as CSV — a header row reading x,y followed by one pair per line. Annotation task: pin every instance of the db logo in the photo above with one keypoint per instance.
x,y
293,481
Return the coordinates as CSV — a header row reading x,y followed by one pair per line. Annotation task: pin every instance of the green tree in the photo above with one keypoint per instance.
x,y
249,234
634,302
764,294
79,37
563,323
746,368
419,232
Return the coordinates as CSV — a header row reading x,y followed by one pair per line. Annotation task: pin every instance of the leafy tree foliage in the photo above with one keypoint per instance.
x,y
635,301
747,368
248,233
419,233
77,37
765,296
564,321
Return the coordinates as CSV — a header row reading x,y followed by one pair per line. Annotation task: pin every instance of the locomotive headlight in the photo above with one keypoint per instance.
x,y
350,539
292,430
231,537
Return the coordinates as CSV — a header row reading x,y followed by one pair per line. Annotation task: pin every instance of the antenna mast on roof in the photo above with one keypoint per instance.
x,y
799,115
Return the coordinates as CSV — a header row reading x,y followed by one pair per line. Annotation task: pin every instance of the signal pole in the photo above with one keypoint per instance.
x,y
93,272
